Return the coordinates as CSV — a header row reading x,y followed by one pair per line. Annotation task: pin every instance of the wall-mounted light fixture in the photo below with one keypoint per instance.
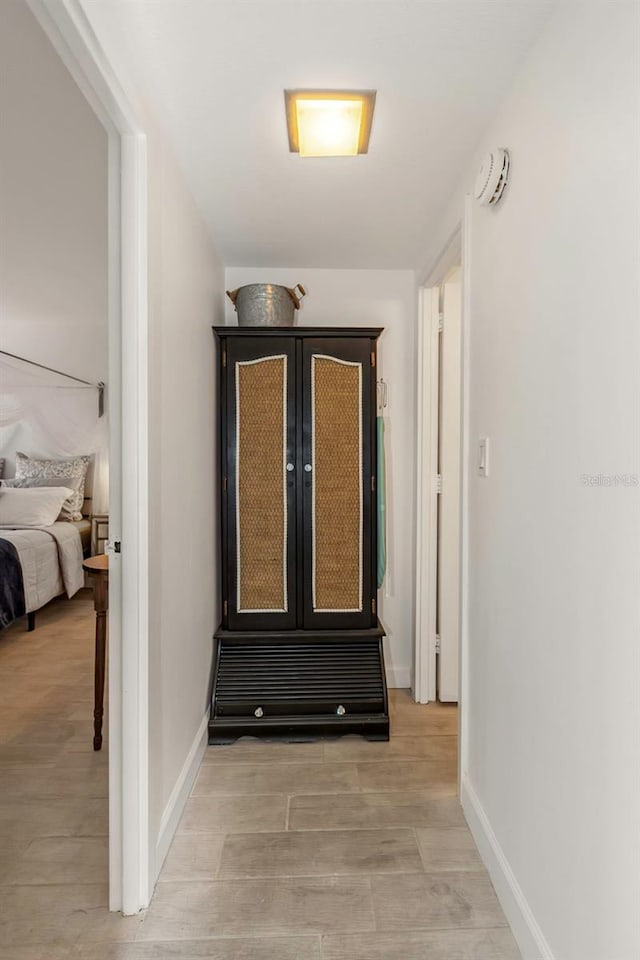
x,y
329,123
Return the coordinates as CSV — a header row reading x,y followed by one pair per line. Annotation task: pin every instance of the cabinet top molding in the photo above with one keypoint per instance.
x,y
302,332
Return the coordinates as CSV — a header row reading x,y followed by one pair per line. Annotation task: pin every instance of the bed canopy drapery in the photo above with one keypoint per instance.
x,y
56,415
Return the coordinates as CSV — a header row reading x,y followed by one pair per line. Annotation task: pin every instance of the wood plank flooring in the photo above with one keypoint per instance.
x,y
341,850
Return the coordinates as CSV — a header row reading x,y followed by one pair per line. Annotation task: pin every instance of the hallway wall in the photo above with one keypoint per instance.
x,y
553,712
185,298
373,298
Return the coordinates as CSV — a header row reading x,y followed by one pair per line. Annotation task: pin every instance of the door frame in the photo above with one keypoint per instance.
x,y
424,669
455,250
69,30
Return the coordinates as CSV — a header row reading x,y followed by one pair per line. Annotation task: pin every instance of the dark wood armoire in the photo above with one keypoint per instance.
x,y
299,651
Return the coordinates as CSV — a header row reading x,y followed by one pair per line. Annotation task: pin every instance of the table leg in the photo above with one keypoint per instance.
x,y
98,705
101,604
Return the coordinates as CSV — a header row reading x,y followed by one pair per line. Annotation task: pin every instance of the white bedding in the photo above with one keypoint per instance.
x,y
51,561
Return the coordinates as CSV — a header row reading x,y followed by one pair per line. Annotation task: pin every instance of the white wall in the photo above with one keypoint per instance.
x,y
186,289
553,710
373,298
53,213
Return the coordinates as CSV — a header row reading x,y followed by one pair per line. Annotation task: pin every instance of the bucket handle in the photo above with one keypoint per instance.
x,y
232,294
297,298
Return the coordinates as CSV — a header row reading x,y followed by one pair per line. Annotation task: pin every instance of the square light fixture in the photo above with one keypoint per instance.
x,y
329,123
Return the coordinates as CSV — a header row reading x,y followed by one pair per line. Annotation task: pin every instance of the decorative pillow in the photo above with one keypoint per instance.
x,y
31,507
71,468
72,483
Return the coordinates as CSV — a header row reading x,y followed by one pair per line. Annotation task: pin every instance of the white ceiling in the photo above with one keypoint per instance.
x,y
214,71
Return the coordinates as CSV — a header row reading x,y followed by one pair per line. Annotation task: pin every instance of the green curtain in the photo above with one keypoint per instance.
x,y
381,492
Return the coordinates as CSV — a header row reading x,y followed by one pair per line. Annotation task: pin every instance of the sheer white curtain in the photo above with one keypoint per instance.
x,y
53,417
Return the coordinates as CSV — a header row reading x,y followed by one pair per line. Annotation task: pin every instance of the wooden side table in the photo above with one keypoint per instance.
x,y
98,570
99,532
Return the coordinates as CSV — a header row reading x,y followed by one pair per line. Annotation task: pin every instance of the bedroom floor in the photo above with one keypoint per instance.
x,y
53,787
342,850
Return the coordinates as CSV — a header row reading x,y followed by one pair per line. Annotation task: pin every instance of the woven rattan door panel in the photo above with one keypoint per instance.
x,y
261,526
337,482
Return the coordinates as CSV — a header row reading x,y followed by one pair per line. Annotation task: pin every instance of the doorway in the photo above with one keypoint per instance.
x,y
70,32
439,484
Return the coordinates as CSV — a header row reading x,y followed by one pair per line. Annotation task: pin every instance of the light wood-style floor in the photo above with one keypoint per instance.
x,y
342,850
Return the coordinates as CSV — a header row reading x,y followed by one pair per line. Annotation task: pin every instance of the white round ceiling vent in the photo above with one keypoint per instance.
x,y
492,177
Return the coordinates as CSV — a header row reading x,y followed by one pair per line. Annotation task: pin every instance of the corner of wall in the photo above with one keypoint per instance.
x,y
518,912
177,800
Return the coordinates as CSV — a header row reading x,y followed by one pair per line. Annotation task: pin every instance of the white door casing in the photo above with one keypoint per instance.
x,y
439,460
424,673
456,250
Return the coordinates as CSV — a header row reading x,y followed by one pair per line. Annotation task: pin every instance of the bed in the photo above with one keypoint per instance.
x,y
36,565
41,559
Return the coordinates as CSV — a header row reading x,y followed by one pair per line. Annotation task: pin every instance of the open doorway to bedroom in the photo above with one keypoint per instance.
x,y
54,447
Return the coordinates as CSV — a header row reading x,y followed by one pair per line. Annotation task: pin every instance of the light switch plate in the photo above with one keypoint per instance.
x,y
483,457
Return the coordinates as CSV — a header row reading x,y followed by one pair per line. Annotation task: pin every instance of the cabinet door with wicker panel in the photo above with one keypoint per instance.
x,y
260,516
338,482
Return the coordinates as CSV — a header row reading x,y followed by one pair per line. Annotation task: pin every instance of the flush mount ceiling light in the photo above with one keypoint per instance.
x,y
329,123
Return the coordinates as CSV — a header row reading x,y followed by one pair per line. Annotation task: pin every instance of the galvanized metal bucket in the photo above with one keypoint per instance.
x,y
266,304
